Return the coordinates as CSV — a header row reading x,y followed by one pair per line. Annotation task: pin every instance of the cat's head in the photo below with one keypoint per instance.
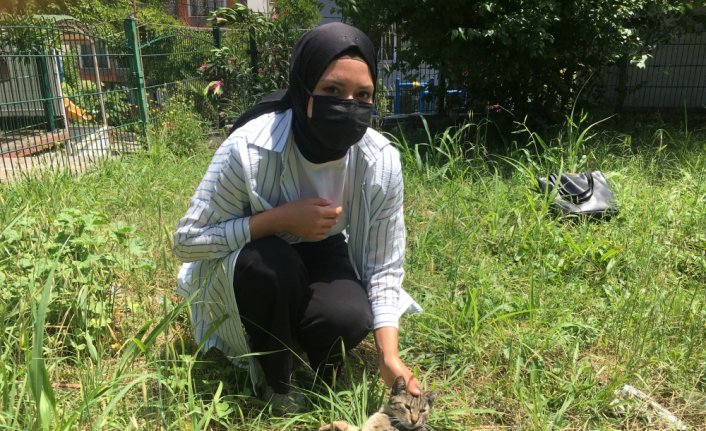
x,y
407,411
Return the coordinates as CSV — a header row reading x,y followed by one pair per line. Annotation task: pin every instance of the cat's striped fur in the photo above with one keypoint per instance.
x,y
402,412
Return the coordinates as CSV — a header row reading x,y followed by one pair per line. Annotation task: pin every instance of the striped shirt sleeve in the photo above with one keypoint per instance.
x,y
217,221
386,242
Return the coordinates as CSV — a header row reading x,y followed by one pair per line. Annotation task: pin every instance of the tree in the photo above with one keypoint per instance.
x,y
530,56
300,14
113,11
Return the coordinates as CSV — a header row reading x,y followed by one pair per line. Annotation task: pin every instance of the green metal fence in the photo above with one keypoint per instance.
x,y
72,94
171,57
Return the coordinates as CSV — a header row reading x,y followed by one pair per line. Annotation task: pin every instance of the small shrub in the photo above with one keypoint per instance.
x,y
177,128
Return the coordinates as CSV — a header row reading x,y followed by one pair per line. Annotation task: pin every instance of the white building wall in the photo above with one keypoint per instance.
x,y
259,5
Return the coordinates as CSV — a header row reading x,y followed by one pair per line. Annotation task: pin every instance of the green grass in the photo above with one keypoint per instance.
x,y
531,322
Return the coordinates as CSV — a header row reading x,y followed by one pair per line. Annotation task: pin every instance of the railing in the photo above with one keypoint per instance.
x,y
425,96
72,94
674,78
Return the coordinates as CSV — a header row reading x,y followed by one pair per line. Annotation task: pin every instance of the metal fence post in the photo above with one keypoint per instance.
x,y
138,76
45,86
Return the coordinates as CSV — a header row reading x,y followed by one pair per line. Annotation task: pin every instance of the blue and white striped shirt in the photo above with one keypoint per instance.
x,y
255,170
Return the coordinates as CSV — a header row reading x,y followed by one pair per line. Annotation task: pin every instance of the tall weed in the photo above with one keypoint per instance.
x,y
447,154
178,130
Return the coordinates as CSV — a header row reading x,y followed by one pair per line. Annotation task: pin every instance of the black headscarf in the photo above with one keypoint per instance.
x,y
312,54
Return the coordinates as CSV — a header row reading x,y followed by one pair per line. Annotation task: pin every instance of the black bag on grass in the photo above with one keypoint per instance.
x,y
585,193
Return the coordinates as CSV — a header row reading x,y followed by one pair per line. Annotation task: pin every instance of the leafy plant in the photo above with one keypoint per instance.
x,y
82,253
238,77
532,58
39,381
448,154
177,127
27,35
113,13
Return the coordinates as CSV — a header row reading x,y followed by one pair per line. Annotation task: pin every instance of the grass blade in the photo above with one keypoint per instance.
x,y
40,385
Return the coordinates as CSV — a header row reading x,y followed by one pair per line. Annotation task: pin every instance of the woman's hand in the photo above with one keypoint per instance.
x,y
389,362
310,219
391,368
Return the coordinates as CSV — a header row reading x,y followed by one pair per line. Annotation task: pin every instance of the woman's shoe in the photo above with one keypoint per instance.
x,y
291,402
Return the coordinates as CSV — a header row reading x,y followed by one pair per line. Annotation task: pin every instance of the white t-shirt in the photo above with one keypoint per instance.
x,y
324,180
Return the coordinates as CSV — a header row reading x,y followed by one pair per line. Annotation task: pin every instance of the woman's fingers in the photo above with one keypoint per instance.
x,y
413,386
311,218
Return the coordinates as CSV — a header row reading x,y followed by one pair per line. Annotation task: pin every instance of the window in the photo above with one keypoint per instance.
x,y
201,8
85,59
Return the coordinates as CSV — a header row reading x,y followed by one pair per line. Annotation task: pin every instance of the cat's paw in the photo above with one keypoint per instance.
x,y
337,426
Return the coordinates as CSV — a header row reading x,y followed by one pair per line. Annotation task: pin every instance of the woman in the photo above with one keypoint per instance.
x,y
295,236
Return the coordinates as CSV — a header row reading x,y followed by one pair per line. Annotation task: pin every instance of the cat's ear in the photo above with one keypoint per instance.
x,y
431,396
399,386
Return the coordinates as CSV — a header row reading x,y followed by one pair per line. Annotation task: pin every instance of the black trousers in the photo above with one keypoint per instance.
x,y
304,294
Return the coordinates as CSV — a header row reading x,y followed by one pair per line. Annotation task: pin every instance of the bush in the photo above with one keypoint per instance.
x,y
177,128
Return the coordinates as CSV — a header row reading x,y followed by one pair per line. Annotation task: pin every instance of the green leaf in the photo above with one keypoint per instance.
x,y
40,386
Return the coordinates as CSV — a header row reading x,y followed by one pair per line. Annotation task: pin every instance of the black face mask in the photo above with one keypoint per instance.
x,y
312,55
339,123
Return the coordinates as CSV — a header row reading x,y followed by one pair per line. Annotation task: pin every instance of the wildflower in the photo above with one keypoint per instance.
x,y
215,88
202,68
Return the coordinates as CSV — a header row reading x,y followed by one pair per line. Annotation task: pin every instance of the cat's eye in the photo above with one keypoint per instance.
x,y
407,406
423,411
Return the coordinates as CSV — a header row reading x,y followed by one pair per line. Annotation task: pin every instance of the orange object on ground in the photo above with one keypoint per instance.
x,y
76,113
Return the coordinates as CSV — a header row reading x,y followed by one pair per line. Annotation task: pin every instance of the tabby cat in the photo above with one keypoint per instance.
x,y
402,412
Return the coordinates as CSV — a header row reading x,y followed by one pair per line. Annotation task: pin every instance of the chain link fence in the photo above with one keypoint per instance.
x,y
72,94
674,78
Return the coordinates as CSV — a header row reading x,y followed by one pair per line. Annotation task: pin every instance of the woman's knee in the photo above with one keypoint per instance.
x,y
269,265
360,324
270,251
350,319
